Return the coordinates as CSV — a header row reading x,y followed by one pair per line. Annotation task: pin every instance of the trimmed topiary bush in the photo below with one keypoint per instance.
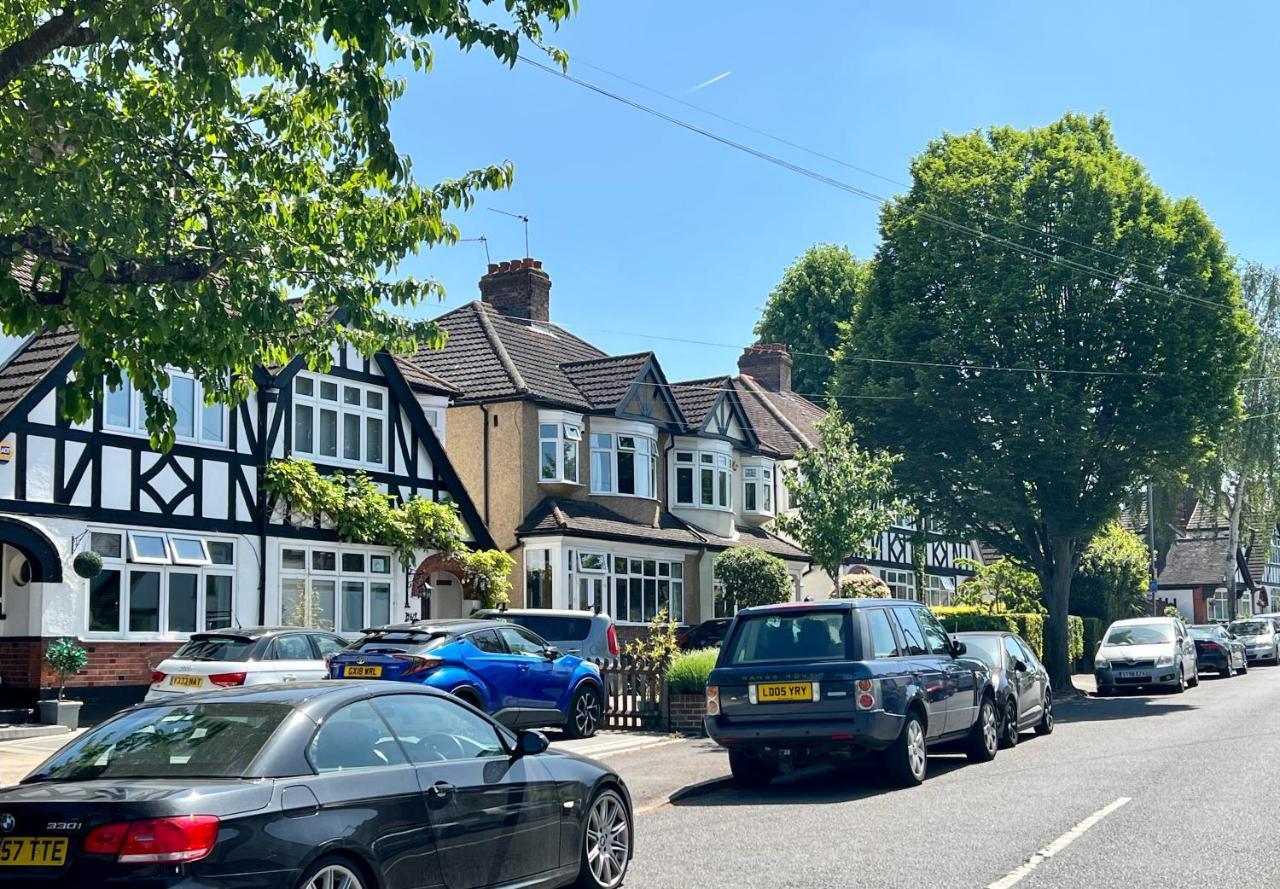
x,y
862,586
751,577
65,658
687,673
87,564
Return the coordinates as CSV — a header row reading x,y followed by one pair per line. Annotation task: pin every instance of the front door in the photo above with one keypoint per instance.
x,y
496,819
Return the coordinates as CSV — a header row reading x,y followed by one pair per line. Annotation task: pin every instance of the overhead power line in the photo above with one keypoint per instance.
x,y
850,188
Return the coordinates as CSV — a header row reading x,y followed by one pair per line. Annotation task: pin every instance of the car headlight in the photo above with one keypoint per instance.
x,y
1165,660
1101,664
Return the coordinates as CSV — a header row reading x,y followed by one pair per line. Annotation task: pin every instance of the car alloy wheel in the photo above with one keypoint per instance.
x,y
990,733
586,712
334,876
1010,738
608,840
917,755
1045,726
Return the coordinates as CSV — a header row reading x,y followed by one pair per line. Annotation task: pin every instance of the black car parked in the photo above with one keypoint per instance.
x,y
810,682
1024,696
318,785
1217,649
707,634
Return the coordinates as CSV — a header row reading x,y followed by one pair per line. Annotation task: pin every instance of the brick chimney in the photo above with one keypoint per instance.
x,y
519,288
769,364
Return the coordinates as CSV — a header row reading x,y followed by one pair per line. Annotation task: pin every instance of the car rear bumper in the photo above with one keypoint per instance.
x,y
1212,662
155,878
872,730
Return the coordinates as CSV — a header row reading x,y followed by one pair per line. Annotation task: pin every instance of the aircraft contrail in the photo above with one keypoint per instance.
x,y
707,83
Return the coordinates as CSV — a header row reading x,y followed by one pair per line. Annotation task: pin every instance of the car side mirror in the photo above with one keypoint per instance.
x,y
551,652
531,743
1019,667
959,648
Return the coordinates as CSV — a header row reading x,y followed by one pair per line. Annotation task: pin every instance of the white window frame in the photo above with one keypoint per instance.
x,y
339,576
166,559
720,465
758,475
136,410
616,430
564,432
619,570
899,580
939,590
203,559
341,409
127,566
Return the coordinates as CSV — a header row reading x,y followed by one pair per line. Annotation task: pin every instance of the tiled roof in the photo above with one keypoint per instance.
x,y
423,379
785,423
31,363
589,519
490,355
586,518
1195,561
761,539
695,398
604,381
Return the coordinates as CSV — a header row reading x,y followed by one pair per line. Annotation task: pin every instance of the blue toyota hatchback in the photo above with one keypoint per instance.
x,y
503,669
814,682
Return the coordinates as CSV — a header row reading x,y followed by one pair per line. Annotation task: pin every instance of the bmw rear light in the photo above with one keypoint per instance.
x,y
227,680
713,700
1210,646
867,694
157,677
417,663
613,641
186,838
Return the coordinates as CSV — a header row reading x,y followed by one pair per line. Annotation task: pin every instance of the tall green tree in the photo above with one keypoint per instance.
x,y
1111,580
817,294
173,173
841,496
1051,380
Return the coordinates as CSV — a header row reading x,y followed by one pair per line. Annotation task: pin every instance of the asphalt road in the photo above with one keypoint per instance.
x,y
1145,791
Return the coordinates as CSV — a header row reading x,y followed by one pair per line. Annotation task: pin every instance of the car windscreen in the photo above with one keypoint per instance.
x,y
791,637
556,628
1251,627
184,741
1203,633
989,649
1139,634
414,643
216,648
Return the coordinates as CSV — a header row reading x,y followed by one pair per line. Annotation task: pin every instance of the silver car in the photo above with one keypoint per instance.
x,y
582,633
1146,652
1261,641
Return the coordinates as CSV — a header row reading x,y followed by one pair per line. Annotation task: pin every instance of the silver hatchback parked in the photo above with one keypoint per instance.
x,y
1261,641
583,633
1146,652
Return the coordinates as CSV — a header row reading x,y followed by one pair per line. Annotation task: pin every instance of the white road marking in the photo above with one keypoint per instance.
x,y
1018,874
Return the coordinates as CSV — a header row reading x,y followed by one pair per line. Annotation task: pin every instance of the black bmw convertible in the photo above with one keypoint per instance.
x,y
324,785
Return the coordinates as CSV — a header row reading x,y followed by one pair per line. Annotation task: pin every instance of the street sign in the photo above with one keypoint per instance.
x,y
1153,586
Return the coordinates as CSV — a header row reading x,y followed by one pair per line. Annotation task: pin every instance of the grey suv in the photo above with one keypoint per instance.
x,y
582,633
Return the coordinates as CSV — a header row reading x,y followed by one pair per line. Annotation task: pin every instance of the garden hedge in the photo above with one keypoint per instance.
x,y
967,618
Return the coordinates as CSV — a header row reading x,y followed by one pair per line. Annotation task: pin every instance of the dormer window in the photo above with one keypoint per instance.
x,y
757,488
559,442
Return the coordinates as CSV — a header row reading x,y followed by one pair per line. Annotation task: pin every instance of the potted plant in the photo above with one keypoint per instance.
x,y
65,658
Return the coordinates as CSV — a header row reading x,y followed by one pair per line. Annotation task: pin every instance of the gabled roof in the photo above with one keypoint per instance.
x,y
696,398
784,422
490,356
1199,561
31,363
604,381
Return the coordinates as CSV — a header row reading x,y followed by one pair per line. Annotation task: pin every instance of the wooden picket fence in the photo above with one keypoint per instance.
x,y
634,695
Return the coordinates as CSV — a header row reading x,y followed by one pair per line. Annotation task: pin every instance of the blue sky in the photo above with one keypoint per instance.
x,y
656,232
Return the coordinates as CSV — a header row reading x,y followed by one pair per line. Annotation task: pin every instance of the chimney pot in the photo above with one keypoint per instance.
x,y
518,288
769,364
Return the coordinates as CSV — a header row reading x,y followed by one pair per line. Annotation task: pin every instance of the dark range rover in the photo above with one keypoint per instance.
x,y
815,682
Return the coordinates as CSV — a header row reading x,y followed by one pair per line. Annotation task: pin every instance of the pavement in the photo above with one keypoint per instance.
x,y
1162,790
17,758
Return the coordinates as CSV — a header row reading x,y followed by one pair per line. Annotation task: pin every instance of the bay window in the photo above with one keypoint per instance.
x,y
704,479
160,584
334,587
757,488
644,587
194,422
339,421
559,441
624,464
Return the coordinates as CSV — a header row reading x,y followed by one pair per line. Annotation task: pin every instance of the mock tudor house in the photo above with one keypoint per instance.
x,y
615,488
187,538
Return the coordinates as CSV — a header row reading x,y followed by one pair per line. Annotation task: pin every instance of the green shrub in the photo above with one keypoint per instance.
x,y
1092,629
688,672
968,618
752,577
862,586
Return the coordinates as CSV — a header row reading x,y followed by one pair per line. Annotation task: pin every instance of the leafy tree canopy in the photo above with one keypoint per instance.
x,y
752,577
861,585
1111,582
1028,457
842,496
174,172
817,294
1001,586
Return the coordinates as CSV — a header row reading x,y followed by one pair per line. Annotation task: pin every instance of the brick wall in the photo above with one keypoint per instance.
x,y
685,712
110,663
